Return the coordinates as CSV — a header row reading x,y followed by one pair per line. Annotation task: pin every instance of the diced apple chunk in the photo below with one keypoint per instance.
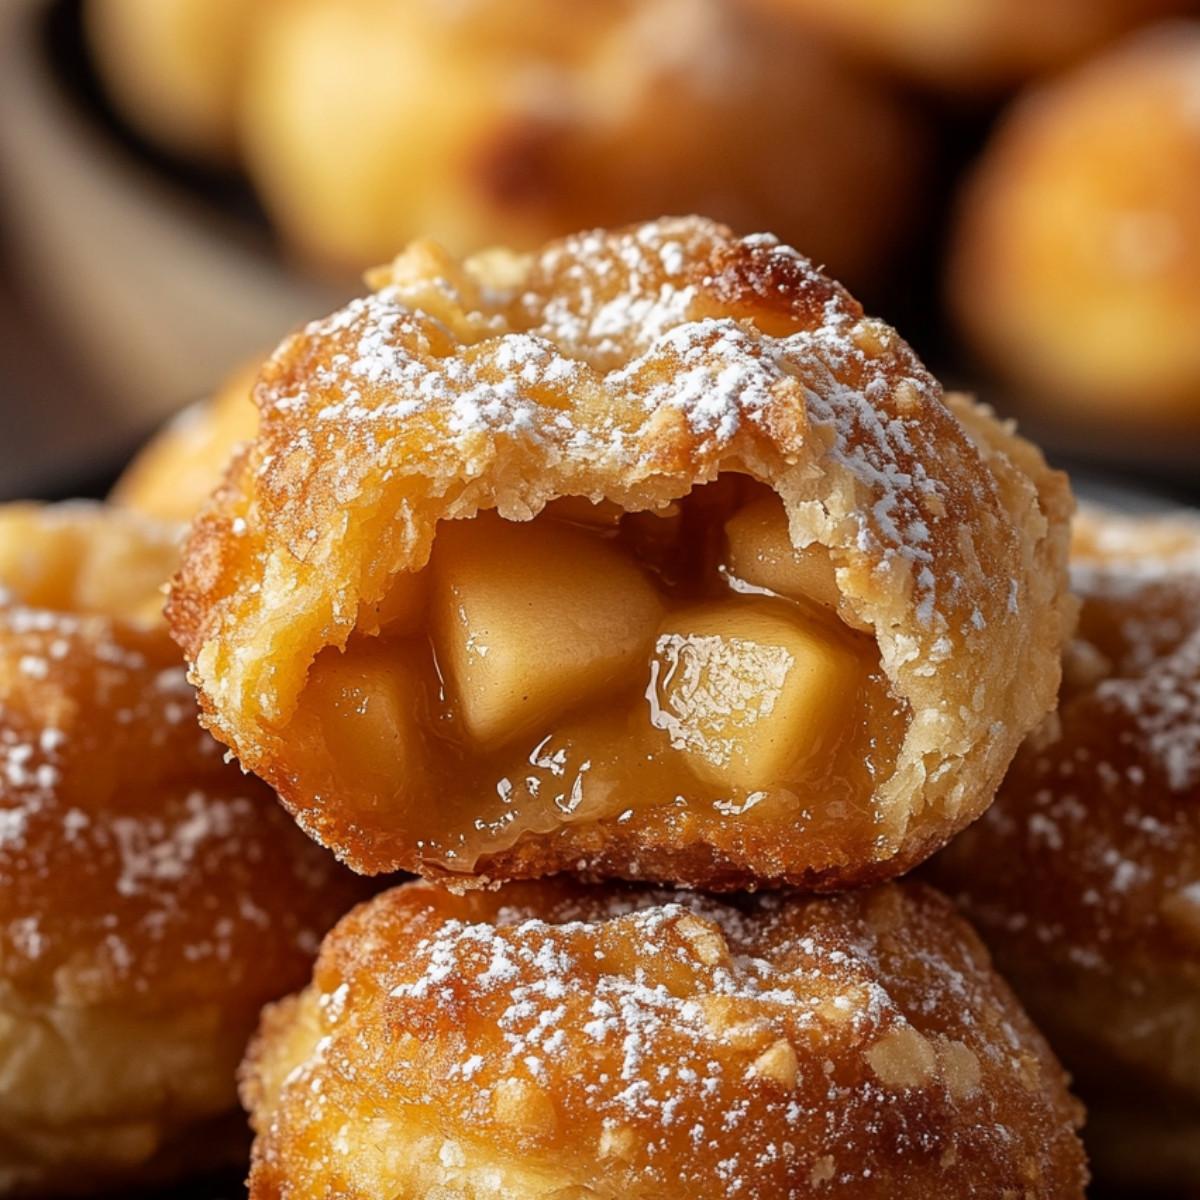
x,y
368,705
746,688
531,617
761,553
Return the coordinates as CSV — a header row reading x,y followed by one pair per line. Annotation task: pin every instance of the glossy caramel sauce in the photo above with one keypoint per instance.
x,y
641,676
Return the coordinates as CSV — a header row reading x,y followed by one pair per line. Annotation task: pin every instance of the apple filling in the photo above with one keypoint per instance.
x,y
594,665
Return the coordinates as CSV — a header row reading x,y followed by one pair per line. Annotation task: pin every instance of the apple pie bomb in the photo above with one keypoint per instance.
x,y
647,556
152,897
552,1039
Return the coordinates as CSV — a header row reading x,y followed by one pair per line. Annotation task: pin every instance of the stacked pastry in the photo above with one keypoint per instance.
x,y
634,592
1095,914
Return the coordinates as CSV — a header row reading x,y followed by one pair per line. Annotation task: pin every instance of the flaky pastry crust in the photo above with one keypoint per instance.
x,y
550,1039
1084,876
152,897
631,367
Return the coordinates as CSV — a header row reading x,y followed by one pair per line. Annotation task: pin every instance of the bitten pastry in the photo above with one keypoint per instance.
x,y
366,123
1075,267
173,474
550,1040
646,556
152,897
1084,877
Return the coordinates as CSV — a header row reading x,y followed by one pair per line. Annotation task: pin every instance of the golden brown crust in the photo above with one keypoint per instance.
x,y
1084,877
633,366
82,557
152,897
549,1039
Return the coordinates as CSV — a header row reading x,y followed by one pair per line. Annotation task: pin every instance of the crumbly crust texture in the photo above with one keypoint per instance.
x,y
152,897
549,1039
1096,918
631,366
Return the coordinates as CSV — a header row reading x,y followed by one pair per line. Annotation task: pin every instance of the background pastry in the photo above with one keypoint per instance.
x,y
177,470
549,120
972,45
1084,876
1075,270
649,555
548,1039
152,897
365,123
174,67
80,557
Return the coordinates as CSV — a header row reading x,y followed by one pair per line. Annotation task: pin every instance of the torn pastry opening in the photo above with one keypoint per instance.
x,y
593,663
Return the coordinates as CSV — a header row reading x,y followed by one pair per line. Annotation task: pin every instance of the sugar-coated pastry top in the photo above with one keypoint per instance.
x,y
1103,808
630,369
136,863
643,1044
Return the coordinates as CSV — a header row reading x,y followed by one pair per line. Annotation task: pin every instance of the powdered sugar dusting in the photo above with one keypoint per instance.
x,y
159,851
1104,818
609,333
132,858
668,1042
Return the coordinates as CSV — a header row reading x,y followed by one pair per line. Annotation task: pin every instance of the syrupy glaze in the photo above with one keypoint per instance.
x,y
594,665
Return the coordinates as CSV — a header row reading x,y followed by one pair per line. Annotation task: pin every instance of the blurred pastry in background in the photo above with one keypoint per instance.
x,y
972,46
152,897
174,473
81,557
1075,268
366,123
369,122
554,1040
1084,876
173,68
